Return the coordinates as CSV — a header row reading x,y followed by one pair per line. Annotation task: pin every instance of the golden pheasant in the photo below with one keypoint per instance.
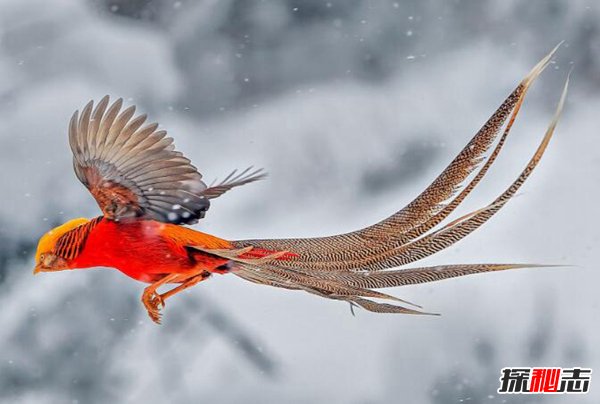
x,y
147,191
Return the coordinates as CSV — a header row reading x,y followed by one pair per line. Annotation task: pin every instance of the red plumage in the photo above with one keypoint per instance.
x,y
147,190
148,250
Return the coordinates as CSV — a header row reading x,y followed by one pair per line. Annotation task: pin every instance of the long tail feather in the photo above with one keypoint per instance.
x,y
413,276
289,277
407,224
454,232
350,266
268,278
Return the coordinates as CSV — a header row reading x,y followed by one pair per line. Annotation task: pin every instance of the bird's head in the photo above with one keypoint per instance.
x,y
46,257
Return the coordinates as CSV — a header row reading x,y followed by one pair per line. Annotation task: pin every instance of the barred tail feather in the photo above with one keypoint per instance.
x,y
427,210
414,276
350,266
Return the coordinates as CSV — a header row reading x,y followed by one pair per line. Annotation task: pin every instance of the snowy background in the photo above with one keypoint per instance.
x,y
353,107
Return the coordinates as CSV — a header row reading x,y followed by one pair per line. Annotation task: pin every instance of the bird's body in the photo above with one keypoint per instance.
x,y
147,191
147,250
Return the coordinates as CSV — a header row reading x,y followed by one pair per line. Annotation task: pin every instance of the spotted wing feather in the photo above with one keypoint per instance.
x,y
132,168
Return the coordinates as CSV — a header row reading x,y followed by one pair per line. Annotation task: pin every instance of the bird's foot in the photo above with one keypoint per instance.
x,y
153,303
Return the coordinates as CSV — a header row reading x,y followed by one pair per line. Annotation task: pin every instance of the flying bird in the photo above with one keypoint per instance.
x,y
148,192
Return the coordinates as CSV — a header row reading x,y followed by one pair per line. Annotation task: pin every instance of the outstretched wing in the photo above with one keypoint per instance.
x,y
234,179
132,168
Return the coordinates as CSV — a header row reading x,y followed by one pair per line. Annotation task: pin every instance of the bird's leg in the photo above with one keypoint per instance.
x,y
152,300
187,284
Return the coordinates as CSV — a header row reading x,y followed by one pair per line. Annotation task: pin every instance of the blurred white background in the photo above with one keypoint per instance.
x,y
353,107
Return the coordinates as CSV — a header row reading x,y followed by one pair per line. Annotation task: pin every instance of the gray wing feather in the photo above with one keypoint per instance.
x,y
132,169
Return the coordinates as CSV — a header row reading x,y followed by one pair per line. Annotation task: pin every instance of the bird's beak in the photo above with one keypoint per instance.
x,y
43,268
52,264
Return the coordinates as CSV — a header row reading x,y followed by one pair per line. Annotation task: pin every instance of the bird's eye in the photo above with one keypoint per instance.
x,y
42,256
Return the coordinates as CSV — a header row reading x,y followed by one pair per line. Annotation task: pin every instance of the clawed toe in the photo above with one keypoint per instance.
x,y
153,303
155,316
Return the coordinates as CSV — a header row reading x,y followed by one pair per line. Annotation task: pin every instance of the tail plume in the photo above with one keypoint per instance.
x,y
349,266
